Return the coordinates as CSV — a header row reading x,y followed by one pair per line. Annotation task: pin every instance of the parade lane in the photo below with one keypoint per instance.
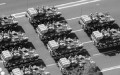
x,y
39,46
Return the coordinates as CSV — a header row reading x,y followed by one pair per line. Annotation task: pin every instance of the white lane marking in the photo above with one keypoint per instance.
x,y
77,30
2,3
87,42
51,65
18,15
79,4
110,68
97,54
73,18
23,13
70,3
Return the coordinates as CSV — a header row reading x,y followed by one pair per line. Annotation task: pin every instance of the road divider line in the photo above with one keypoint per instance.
x,y
73,18
51,65
87,42
18,15
22,14
78,4
2,3
97,54
110,68
77,30
70,3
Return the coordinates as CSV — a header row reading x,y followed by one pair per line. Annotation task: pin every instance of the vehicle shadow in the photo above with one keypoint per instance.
x,y
19,29
110,51
29,45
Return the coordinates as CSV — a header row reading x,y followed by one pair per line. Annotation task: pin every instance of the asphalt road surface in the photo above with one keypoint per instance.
x,y
110,65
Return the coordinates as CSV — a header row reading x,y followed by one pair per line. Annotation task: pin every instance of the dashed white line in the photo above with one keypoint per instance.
x,y
77,30
87,42
2,3
73,4
51,65
73,18
70,3
110,68
18,15
78,4
97,54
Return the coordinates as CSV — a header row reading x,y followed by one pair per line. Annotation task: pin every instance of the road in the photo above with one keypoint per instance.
x,y
16,6
106,63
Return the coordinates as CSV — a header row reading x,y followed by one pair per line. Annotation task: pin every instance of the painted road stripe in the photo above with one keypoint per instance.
x,y
70,3
87,42
73,18
77,30
22,14
2,3
79,4
110,68
18,15
50,65
97,54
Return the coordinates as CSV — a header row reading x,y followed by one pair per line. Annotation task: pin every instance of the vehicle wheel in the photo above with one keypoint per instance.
x,y
79,22
26,15
51,53
4,64
63,71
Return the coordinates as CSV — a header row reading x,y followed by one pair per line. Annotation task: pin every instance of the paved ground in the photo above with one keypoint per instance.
x,y
106,63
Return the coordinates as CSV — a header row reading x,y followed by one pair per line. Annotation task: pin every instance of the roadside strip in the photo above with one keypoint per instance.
x,y
18,15
88,42
110,68
51,65
2,3
72,18
70,3
77,30
79,4
62,6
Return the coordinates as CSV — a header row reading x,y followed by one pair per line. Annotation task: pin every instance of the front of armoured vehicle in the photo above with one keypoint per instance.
x,y
52,46
96,36
41,30
6,55
31,12
63,63
84,20
17,71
